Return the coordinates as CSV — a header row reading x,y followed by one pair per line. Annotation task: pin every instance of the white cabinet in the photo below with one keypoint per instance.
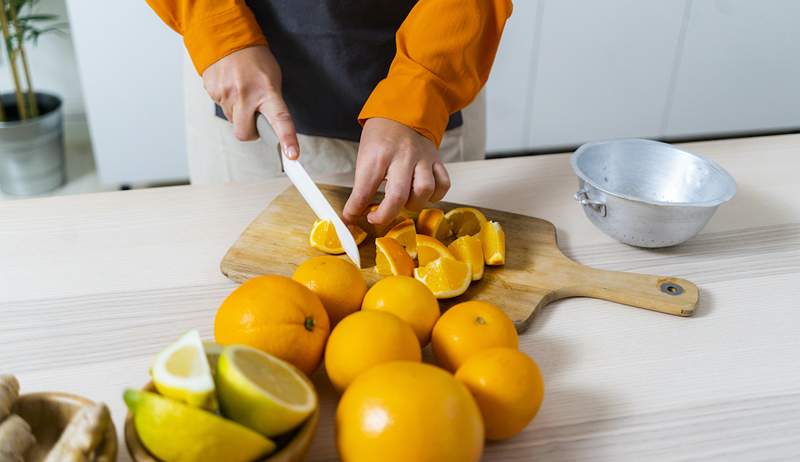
x,y
739,68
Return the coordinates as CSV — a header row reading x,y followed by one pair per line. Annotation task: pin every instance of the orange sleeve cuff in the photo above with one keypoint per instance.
x,y
414,100
212,38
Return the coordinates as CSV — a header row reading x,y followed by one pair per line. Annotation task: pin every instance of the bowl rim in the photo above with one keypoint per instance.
x,y
582,149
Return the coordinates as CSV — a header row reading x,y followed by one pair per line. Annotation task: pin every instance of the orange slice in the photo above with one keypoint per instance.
x,y
431,222
446,278
391,259
406,235
323,237
377,230
469,250
429,249
465,221
493,239
409,213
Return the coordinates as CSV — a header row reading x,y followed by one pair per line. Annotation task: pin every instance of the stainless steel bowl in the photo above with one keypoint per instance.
x,y
648,194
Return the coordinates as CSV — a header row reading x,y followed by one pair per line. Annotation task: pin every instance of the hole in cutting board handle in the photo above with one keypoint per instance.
x,y
670,288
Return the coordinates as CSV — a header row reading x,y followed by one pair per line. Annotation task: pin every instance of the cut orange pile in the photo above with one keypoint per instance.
x,y
323,237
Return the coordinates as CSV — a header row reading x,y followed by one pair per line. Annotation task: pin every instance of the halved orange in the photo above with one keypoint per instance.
x,y
465,221
469,250
391,259
323,237
431,222
377,230
445,277
429,249
405,233
493,239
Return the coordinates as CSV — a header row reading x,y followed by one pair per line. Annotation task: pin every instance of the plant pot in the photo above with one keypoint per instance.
x,y
32,150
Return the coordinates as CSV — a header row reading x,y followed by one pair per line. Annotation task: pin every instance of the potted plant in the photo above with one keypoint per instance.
x,y
31,122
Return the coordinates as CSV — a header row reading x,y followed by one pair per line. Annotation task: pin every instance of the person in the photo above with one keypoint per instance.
x,y
377,85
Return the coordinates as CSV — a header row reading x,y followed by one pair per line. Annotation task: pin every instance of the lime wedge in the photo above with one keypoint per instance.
x,y
174,431
263,392
181,372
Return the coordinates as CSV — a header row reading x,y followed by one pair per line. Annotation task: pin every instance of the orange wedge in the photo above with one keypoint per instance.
x,y
465,221
323,237
429,249
446,278
391,259
409,213
493,239
377,230
431,222
469,250
406,235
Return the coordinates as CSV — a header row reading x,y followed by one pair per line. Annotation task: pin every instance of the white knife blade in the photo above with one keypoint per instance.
x,y
312,195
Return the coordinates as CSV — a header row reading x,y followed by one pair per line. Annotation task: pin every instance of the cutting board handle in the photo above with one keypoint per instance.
x,y
658,293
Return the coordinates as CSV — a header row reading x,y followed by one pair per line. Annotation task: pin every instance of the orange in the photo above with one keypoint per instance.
x,y
323,237
465,221
493,240
407,411
405,213
339,285
431,222
429,249
469,250
378,230
508,387
391,258
409,300
366,339
406,235
468,328
277,315
445,277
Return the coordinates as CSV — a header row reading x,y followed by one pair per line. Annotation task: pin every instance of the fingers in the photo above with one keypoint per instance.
x,y
398,186
370,172
442,180
424,184
244,122
277,114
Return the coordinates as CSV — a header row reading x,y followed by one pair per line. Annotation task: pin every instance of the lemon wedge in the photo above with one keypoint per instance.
x,y
181,372
262,392
174,431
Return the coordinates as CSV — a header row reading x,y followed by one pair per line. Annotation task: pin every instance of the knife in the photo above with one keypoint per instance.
x,y
311,193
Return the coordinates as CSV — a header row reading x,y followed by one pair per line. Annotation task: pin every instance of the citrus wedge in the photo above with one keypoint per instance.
x,y
493,239
406,235
391,259
262,392
323,237
429,249
405,213
465,221
431,222
469,250
174,431
445,277
181,372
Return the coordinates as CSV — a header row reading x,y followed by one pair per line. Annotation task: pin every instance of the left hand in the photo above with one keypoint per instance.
x,y
408,162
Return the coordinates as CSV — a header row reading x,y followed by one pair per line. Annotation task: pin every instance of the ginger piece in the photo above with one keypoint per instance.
x,y
15,439
9,392
81,437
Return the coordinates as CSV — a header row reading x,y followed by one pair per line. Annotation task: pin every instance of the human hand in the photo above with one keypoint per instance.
x,y
407,161
248,82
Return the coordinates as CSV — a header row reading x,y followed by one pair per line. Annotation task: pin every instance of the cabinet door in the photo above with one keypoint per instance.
x,y
130,65
509,85
603,69
739,69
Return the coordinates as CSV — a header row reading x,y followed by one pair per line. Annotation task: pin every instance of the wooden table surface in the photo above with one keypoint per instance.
x,y
92,286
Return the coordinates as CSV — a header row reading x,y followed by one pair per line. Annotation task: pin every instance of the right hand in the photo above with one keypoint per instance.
x,y
248,82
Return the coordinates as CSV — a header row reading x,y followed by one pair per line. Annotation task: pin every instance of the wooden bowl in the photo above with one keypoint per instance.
x,y
48,413
291,447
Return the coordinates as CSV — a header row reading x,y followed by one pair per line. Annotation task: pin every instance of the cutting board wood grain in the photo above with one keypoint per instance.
x,y
535,274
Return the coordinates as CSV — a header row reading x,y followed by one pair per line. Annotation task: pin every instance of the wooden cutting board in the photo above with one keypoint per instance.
x,y
535,274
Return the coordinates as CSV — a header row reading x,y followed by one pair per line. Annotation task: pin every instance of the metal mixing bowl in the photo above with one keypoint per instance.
x,y
648,194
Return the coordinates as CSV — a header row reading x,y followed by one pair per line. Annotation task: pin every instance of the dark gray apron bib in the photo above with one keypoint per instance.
x,y
332,54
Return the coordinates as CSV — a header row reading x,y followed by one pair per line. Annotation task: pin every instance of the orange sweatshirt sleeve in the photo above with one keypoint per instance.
x,y
445,50
211,29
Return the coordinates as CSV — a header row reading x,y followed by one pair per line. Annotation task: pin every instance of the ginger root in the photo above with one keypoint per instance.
x,y
9,391
81,437
15,439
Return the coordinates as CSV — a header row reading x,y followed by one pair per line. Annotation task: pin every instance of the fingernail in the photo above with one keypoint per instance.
x,y
290,151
